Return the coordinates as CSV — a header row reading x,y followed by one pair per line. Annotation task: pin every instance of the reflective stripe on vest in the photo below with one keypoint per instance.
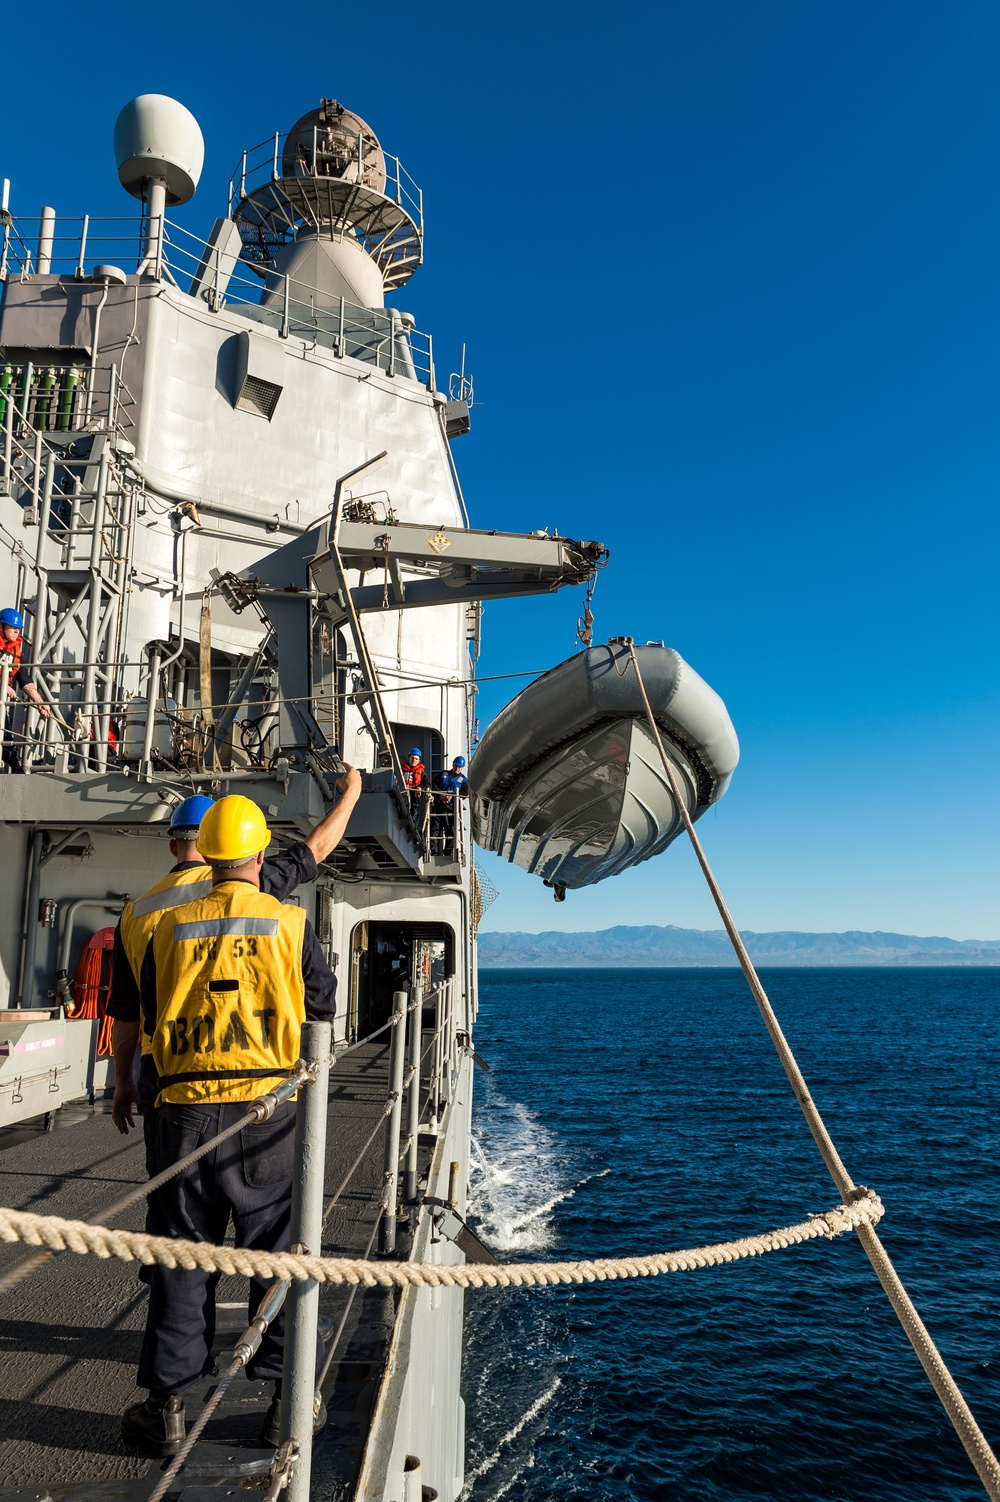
x,y
214,928
230,998
158,902
139,918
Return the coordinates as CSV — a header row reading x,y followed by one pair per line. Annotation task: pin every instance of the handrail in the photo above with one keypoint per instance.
x,y
260,1109
379,337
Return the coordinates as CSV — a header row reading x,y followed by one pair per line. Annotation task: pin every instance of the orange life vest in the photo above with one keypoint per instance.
x,y
413,776
12,650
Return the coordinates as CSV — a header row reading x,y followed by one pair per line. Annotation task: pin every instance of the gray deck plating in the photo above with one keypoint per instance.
x,y
70,1334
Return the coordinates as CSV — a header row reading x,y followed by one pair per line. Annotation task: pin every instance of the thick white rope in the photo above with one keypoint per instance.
x,y
947,1389
61,1235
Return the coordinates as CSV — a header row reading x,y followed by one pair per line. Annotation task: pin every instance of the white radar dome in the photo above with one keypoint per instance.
x,y
155,136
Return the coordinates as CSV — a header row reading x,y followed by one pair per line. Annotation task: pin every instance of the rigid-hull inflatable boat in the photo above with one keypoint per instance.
x,y
568,782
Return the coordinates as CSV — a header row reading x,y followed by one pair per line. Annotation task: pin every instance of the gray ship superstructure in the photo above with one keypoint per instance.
x,y
230,516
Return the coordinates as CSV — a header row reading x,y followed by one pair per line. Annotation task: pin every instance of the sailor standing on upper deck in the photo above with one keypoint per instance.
x,y
444,818
12,645
227,981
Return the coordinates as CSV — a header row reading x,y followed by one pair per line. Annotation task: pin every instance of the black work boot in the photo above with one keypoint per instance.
x,y
270,1429
155,1428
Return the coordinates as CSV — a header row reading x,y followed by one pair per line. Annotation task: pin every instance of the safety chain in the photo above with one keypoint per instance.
x,y
865,1209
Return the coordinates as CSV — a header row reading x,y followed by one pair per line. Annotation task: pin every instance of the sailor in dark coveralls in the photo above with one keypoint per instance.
x,y
226,983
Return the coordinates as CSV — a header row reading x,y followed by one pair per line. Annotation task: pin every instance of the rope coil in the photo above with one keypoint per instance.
x,y
61,1235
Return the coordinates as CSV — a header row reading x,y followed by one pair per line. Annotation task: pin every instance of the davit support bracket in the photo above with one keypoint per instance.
x,y
416,565
450,1226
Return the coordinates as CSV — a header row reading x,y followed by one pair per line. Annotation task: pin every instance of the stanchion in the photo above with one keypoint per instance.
x,y
298,1381
397,1058
413,1101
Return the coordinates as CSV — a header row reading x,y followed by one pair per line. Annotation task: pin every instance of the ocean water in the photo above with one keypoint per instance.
x,y
632,1111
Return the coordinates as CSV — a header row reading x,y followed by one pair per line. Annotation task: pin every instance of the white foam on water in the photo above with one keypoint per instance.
x,y
509,1486
494,1456
519,1175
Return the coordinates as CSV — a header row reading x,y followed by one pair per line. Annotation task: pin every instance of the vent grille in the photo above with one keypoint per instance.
x,y
259,397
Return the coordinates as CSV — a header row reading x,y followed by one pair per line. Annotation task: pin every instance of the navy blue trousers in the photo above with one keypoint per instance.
x,y
248,1181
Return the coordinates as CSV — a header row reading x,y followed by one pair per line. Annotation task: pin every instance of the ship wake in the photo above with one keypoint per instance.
x,y
491,1461
519,1351
520,1175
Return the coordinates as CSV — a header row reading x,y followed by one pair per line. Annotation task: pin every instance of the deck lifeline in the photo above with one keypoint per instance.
x,y
69,1336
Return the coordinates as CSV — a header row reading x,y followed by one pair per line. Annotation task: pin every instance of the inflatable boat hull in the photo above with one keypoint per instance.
x,y
568,783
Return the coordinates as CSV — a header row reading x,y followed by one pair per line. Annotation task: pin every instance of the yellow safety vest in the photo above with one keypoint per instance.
x,y
230,998
139,918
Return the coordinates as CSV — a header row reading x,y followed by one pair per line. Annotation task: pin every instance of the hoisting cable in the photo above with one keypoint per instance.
x,y
257,1110
930,1358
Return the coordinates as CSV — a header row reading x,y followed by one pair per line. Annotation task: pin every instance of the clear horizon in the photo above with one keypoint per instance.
x,y
727,277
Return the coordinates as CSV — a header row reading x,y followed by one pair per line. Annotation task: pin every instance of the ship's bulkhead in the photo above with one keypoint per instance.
x,y
160,440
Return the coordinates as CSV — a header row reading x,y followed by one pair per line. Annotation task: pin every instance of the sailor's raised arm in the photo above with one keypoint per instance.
x,y
330,830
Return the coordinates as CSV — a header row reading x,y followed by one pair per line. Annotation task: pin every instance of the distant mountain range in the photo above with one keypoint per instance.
x,y
652,946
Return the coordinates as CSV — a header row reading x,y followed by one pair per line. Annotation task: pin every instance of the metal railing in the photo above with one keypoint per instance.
x,y
380,337
69,247
444,824
301,1388
309,1079
80,512
260,1109
265,163
62,397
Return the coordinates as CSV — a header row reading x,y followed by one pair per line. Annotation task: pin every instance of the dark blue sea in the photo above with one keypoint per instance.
x,y
632,1111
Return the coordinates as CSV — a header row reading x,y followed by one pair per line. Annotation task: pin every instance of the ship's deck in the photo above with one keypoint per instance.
x,y
70,1333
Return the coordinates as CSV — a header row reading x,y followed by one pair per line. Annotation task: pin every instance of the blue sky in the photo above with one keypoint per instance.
x,y
727,274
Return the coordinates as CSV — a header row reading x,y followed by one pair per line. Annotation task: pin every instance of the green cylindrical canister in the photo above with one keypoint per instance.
x,y
26,383
43,401
6,382
67,397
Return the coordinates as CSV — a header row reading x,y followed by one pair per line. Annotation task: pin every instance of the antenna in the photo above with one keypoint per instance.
x,y
460,385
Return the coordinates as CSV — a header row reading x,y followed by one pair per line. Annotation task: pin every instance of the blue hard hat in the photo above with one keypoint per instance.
x,y
416,751
12,617
459,761
189,814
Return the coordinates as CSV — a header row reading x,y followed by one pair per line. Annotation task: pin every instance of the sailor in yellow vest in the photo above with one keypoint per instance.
x,y
226,983
190,877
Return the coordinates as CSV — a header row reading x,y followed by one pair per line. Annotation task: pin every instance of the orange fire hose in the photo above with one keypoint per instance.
x,y
93,984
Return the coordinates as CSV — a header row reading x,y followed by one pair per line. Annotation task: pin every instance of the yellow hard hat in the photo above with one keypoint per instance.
x,y
233,830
